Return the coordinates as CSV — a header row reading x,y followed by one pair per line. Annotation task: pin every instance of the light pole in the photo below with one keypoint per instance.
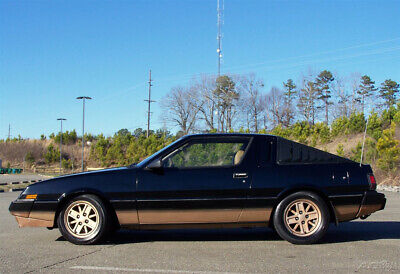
x,y
61,120
83,126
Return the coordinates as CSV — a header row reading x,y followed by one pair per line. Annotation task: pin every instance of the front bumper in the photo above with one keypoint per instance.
x,y
372,202
26,217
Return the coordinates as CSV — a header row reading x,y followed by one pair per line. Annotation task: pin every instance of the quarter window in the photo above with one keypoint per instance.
x,y
207,154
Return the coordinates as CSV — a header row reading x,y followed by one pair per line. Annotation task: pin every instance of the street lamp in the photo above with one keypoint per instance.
x,y
83,126
61,120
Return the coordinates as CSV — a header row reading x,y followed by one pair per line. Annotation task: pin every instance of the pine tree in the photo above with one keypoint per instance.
x,y
388,92
322,83
365,90
306,102
290,92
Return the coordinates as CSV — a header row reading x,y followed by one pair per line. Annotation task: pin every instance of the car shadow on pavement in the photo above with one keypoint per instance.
x,y
362,231
345,232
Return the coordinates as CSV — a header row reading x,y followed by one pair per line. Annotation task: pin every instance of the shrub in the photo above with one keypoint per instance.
x,y
66,164
322,132
52,155
356,153
280,131
396,118
388,116
339,126
340,150
301,131
388,150
370,151
374,126
68,137
29,158
356,123
98,151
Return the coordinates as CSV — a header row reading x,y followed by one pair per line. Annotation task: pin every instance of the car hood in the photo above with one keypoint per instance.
x,y
105,180
100,171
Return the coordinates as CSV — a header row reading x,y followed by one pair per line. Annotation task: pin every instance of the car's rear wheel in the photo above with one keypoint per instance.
x,y
302,218
83,220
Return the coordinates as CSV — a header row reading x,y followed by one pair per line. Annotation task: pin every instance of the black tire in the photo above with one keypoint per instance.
x,y
67,223
297,228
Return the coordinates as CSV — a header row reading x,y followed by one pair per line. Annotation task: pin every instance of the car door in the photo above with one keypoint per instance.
x,y
205,180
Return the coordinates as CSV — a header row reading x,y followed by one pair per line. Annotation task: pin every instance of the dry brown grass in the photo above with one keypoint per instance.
x,y
15,152
349,142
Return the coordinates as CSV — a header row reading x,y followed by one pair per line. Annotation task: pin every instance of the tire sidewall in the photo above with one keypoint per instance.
x,y
285,233
101,228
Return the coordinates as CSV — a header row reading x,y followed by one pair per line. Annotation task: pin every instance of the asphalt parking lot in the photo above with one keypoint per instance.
x,y
8,178
371,245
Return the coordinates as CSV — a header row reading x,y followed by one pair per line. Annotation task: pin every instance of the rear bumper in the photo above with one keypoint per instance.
x,y
372,202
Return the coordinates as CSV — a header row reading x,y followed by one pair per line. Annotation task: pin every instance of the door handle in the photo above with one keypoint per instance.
x,y
240,175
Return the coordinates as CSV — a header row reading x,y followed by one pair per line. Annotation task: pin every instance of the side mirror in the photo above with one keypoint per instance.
x,y
155,165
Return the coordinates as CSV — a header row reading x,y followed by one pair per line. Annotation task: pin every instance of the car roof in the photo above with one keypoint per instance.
x,y
225,135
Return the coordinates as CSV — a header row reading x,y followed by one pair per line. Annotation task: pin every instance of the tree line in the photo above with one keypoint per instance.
x,y
314,111
230,102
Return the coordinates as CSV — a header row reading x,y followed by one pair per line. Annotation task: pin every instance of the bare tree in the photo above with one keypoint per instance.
x,y
274,103
252,99
181,109
206,102
342,106
355,83
227,96
307,101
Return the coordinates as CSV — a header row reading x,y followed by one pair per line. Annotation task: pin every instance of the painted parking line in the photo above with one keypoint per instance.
x,y
122,269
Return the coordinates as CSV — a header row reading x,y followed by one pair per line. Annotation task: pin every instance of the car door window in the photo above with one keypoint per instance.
x,y
207,154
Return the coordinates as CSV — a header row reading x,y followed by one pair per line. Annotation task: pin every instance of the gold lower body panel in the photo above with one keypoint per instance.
x,y
195,218
34,219
31,222
346,212
368,209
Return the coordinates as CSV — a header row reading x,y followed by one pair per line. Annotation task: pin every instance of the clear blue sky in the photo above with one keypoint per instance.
x,y
53,51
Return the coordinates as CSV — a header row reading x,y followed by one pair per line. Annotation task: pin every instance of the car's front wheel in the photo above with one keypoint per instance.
x,y
83,220
302,218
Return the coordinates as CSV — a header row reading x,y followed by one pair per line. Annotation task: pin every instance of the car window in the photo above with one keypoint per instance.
x,y
207,154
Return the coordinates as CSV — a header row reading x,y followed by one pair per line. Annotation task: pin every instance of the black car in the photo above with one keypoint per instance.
x,y
205,181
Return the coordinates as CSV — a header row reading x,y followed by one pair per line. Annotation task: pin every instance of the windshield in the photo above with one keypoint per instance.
x,y
148,159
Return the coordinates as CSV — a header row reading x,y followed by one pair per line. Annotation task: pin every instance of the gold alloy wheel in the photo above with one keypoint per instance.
x,y
81,219
302,217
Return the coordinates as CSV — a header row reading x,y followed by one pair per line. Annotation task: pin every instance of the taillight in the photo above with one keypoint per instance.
x,y
372,182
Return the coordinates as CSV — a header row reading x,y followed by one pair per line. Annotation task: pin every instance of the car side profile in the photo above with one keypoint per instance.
x,y
208,181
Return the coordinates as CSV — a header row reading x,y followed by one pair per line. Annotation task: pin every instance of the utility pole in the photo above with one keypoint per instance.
x,y
149,101
9,131
83,98
219,36
61,133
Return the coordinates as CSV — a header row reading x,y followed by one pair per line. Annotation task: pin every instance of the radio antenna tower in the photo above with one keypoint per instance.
x,y
219,36
149,101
